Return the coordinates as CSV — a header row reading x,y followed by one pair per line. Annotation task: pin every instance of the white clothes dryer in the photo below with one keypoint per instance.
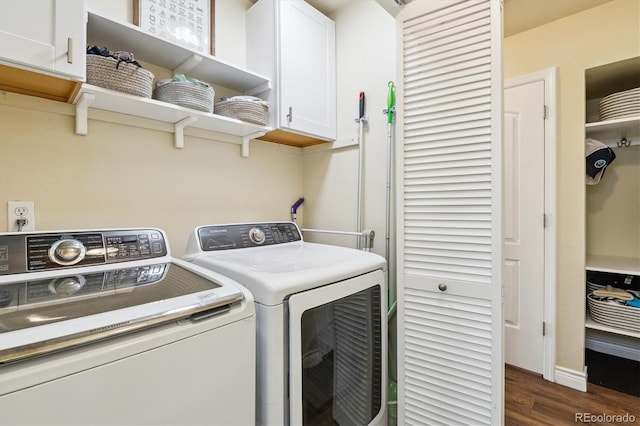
x,y
321,321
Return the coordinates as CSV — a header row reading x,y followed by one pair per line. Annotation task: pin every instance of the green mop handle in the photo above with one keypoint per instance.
x,y
391,102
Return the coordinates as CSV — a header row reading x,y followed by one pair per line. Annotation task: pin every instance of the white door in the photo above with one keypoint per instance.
x,y
523,226
307,71
450,327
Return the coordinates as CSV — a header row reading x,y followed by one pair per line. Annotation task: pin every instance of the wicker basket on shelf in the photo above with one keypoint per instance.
x,y
186,94
117,75
252,111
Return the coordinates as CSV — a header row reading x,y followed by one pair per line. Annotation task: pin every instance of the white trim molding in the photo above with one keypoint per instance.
x,y
574,379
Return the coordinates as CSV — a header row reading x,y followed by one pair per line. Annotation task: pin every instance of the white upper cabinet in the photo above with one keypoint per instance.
x,y
294,44
44,35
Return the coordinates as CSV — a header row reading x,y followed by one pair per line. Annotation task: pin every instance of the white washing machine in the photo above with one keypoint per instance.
x,y
321,321
105,327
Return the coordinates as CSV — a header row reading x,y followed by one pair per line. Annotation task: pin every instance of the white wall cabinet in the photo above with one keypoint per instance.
x,y
294,44
44,35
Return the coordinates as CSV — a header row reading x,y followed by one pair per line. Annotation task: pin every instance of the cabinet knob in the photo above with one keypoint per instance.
x,y
442,287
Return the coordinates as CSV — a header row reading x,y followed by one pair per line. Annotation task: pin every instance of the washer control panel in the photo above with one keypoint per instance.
x,y
235,236
30,252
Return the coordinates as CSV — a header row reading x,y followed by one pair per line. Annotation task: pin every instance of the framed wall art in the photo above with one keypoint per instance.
x,y
188,23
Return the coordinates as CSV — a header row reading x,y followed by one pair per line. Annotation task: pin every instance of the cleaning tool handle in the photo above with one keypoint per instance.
x,y
361,105
391,101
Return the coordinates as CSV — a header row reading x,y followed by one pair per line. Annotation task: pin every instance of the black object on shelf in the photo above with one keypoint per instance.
x,y
612,372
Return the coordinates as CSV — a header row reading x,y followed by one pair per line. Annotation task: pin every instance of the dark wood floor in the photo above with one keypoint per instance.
x,y
531,400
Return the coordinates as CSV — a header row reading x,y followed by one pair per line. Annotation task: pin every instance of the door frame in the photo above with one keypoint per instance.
x,y
549,77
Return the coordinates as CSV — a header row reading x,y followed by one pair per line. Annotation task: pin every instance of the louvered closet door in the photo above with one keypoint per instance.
x,y
448,161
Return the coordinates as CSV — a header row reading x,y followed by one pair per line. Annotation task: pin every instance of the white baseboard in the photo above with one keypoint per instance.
x,y
571,378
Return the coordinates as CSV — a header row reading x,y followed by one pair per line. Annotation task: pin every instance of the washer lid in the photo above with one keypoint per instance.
x,y
42,315
272,273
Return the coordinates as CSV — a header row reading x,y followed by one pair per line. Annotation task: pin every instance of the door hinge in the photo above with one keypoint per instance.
x,y
544,112
544,220
544,328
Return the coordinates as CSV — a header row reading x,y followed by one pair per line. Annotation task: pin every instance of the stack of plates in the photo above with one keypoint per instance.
x,y
620,105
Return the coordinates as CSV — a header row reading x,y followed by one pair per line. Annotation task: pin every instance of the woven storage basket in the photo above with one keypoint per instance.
x,y
250,111
186,94
128,78
614,315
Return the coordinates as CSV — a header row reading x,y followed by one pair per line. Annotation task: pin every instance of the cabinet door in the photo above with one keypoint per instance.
x,y
47,35
307,71
450,368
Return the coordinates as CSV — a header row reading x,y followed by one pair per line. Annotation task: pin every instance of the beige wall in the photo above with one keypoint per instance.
x,y
126,176
597,36
613,207
366,61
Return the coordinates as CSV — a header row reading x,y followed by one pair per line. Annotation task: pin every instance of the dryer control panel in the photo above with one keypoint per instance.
x,y
31,252
235,236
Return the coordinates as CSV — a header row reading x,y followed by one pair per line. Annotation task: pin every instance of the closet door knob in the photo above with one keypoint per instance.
x,y
442,287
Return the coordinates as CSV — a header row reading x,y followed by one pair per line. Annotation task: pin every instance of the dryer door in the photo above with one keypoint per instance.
x,y
338,352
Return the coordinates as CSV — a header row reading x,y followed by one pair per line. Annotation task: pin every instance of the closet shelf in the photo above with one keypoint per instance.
x,y
613,264
589,323
616,265
114,35
612,131
90,96
148,48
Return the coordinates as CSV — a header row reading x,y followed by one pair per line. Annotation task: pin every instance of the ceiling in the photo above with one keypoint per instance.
x,y
519,15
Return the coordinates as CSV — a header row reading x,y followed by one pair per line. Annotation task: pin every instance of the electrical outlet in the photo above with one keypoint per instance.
x,y
21,210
